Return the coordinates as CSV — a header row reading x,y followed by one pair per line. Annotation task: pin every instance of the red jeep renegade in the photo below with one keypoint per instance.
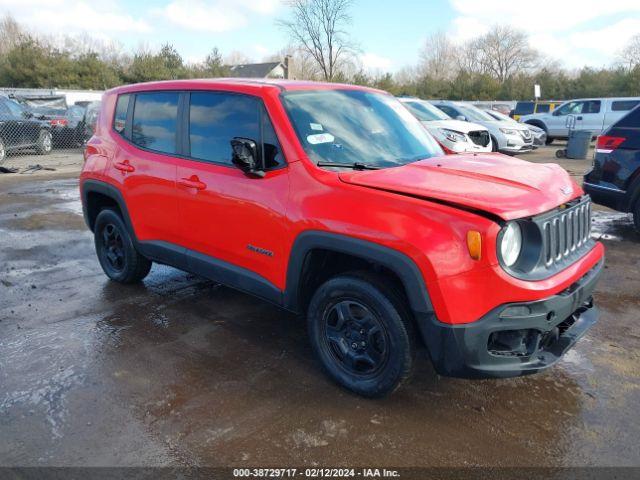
x,y
333,201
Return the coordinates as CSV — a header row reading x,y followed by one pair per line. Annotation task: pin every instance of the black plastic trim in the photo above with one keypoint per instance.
x,y
394,260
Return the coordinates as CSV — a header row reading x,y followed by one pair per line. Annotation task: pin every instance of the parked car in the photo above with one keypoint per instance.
x,y
334,201
90,119
530,107
66,122
504,108
506,137
453,136
614,180
593,114
539,135
19,130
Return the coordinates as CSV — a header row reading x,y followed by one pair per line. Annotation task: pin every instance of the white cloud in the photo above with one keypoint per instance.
x,y
371,61
560,29
72,16
215,15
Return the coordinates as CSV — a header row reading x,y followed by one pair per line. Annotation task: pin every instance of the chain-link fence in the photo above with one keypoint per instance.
x,y
38,124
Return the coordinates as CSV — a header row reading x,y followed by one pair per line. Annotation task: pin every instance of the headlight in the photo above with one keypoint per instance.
x,y
509,131
511,243
452,135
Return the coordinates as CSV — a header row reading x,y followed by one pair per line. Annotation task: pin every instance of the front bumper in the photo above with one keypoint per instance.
x,y
514,339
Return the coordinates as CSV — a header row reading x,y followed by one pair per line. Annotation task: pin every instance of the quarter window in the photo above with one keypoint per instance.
x,y
623,105
216,118
120,117
155,118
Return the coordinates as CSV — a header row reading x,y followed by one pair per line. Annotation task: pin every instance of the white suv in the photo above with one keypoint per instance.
x,y
453,135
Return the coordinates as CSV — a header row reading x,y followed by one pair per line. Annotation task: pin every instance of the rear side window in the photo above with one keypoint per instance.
x,y
155,119
592,106
524,108
215,118
623,105
120,116
542,108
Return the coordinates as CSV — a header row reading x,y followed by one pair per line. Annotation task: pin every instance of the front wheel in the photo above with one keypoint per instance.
x,y
494,144
45,142
3,152
118,257
361,332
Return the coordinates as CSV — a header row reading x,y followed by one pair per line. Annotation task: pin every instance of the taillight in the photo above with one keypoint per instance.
x,y
58,122
607,144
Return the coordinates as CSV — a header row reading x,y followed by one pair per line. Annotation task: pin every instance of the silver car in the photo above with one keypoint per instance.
x,y
507,137
539,135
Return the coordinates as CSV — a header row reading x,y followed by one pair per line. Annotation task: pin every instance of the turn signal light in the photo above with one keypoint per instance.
x,y
474,244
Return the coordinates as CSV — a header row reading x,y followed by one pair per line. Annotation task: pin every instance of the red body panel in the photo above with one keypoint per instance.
x,y
411,209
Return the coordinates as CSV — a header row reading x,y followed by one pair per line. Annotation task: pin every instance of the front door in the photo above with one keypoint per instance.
x,y
232,220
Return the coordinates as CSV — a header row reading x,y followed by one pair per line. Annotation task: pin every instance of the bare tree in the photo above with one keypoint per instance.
x,y
504,51
630,55
319,27
10,34
438,56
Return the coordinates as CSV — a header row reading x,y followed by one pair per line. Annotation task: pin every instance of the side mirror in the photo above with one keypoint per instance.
x,y
245,156
462,118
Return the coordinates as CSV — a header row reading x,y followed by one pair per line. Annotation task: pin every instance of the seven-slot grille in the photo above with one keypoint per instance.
x,y
566,232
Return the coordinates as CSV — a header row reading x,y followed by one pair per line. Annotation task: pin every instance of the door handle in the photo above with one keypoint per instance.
x,y
579,118
124,167
192,182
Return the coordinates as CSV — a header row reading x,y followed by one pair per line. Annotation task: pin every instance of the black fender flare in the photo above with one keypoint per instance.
x,y
403,266
103,188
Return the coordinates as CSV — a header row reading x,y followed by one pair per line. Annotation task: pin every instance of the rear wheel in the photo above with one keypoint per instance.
x,y
494,144
45,142
549,140
361,332
118,256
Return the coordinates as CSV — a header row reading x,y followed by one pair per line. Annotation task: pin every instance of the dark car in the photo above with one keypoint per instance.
x,y
20,130
90,119
67,125
614,180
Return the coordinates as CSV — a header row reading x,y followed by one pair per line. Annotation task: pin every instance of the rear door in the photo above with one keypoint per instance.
x,y
146,127
590,116
27,124
237,222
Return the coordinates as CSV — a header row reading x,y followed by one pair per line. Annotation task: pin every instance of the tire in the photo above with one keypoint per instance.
x,y
361,332
118,257
494,144
3,152
45,143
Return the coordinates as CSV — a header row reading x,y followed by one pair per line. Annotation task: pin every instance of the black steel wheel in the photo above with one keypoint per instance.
x,y
116,252
361,332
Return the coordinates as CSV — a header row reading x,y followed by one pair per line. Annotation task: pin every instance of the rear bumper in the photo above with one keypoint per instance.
x,y
606,195
514,339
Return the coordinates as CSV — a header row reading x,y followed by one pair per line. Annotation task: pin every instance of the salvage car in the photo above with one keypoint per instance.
x,y
539,135
453,136
614,180
333,201
506,137
20,130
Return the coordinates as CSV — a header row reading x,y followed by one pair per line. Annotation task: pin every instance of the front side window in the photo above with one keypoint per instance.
x,y
120,116
216,118
357,126
592,106
570,108
155,118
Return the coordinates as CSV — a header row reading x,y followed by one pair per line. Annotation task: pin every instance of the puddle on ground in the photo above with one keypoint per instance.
x,y
613,226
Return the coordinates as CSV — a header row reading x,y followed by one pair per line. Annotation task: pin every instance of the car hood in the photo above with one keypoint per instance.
x,y
493,183
457,125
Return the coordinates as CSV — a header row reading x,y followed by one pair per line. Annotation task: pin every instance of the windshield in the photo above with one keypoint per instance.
x,y
425,112
473,114
357,126
501,116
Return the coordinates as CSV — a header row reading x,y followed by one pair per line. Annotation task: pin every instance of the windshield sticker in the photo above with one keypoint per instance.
x,y
320,138
316,126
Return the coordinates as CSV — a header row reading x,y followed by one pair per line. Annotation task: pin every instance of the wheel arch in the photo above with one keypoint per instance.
x,y
539,124
351,253
97,195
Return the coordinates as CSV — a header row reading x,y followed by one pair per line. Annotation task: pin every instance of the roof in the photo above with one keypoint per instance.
x,y
253,84
253,70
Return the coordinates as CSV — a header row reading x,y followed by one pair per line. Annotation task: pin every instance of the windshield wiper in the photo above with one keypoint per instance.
x,y
354,165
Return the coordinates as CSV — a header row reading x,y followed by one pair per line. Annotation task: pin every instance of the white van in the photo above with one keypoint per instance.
x,y
594,114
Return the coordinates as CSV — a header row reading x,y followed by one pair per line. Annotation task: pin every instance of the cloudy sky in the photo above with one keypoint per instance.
x,y
390,33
